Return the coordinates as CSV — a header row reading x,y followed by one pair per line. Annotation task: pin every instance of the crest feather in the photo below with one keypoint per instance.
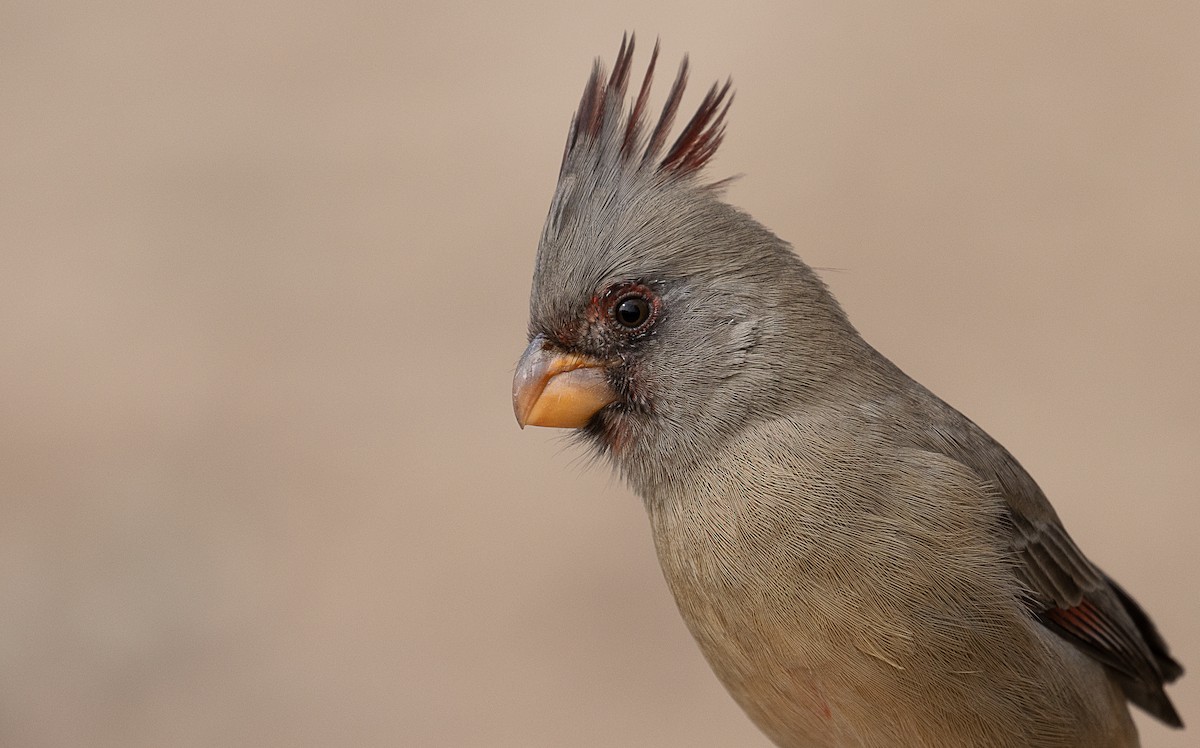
x,y
601,122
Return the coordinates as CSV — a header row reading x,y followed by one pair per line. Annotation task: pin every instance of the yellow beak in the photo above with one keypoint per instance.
x,y
562,390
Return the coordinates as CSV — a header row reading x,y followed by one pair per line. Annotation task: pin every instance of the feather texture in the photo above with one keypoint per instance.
x,y
601,116
860,563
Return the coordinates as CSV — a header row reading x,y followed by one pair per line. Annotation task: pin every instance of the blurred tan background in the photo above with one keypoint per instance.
x,y
263,278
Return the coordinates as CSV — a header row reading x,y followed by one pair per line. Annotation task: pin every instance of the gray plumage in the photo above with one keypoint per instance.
x,y
860,563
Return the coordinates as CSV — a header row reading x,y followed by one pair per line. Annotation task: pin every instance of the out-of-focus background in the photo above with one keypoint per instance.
x,y
263,278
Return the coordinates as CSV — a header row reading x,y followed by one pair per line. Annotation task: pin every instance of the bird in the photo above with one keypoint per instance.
x,y
860,563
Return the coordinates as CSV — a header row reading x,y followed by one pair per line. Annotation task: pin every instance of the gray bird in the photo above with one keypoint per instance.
x,y
860,563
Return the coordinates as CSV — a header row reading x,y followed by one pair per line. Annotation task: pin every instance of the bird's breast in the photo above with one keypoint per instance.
x,y
754,606
854,600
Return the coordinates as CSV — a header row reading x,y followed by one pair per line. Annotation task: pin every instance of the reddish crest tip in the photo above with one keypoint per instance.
x,y
602,111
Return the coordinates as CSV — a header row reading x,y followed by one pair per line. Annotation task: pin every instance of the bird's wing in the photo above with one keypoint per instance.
x,y
1073,597
1067,592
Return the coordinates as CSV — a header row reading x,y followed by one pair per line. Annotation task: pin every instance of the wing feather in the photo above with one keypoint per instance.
x,y
1065,591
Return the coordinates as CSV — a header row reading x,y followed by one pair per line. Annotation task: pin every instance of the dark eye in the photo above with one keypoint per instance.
x,y
632,311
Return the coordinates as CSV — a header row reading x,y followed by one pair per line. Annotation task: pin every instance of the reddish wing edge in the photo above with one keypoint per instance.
x,y
1094,631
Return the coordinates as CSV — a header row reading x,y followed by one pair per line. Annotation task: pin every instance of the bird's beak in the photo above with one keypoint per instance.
x,y
563,390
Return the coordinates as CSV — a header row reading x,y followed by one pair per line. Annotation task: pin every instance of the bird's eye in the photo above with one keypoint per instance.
x,y
632,311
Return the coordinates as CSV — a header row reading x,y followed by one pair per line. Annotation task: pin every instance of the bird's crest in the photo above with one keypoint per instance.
x,y
602,124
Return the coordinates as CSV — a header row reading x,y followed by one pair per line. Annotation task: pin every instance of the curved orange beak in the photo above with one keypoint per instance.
x,y
561,390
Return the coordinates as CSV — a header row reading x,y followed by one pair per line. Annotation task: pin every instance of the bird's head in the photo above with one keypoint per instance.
x,y
663,320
